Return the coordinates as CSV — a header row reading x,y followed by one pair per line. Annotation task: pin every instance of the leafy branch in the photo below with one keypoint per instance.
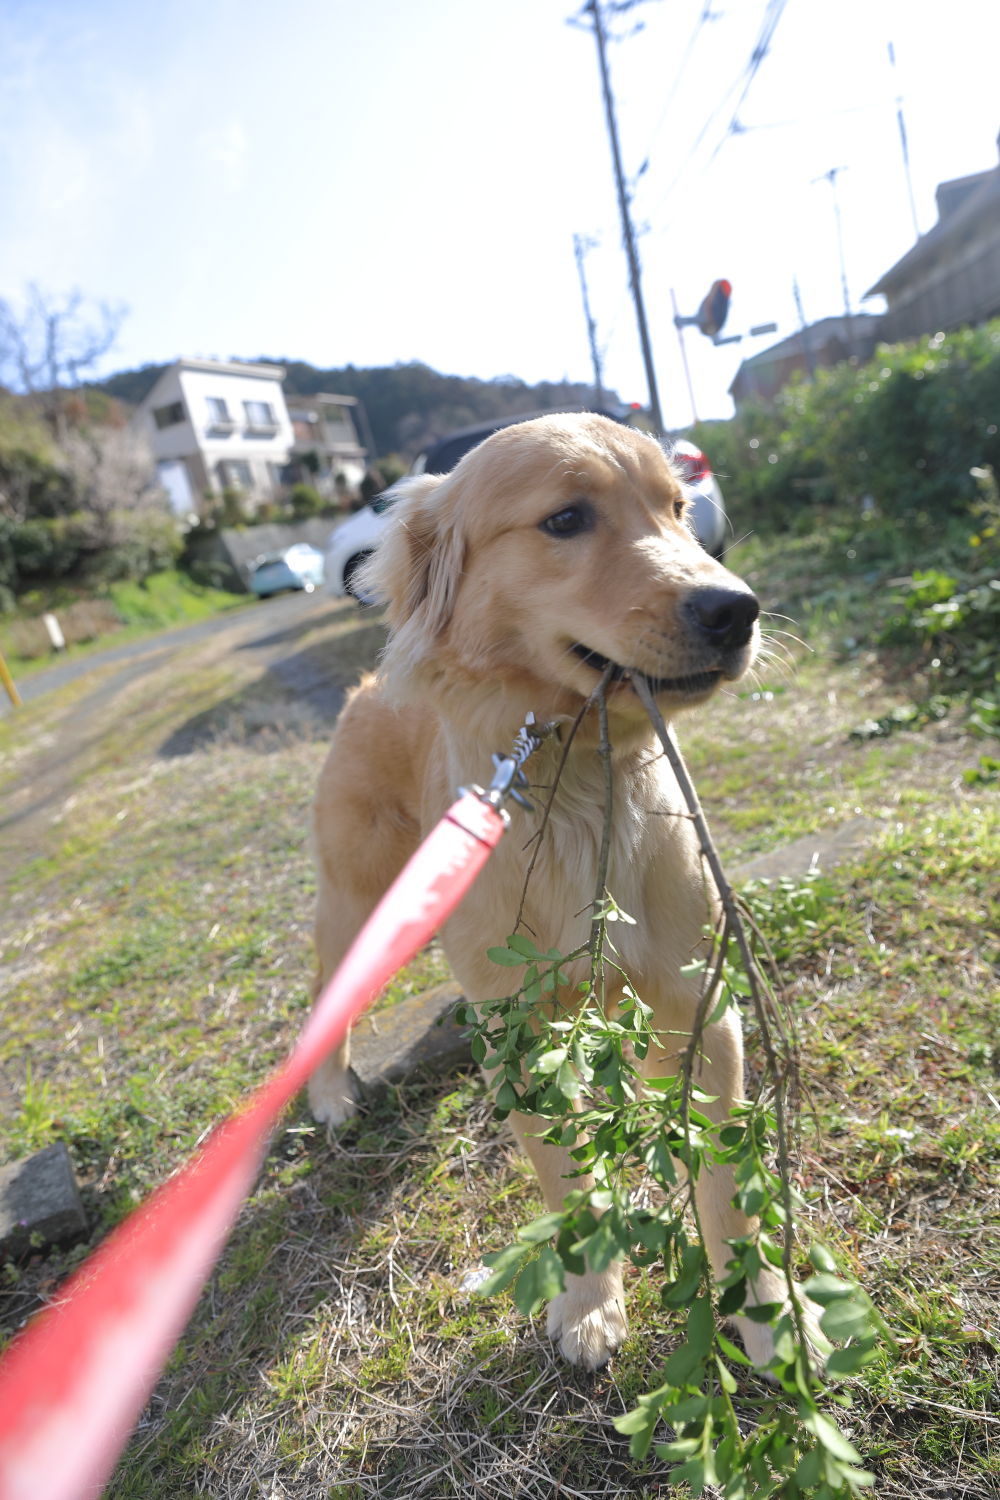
x,y
558,1056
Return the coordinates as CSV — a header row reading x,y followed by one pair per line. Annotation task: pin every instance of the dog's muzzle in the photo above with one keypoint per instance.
x,y
721,618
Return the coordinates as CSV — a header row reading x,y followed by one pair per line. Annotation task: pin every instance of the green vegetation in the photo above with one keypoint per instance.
x,y
156,957
122,611
906,429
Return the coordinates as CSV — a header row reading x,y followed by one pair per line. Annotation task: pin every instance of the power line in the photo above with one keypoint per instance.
x,y
706,14
772,16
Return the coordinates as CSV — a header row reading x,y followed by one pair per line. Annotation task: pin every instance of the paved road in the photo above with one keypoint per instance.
x,y
254,623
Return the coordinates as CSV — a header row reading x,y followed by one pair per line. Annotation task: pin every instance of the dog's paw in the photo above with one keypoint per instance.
x,y
332,1098
758,1338
588,1319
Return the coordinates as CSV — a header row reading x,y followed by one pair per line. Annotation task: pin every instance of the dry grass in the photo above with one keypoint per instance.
x,y
156,957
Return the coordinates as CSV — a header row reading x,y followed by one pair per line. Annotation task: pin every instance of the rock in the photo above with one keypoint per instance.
x,y
389,1045
39,1202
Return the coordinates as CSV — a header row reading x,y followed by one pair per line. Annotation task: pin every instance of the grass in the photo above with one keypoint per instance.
x,y
155,960
144,608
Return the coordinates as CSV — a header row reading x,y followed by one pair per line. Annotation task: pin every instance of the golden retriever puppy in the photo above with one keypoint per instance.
x,y
556,547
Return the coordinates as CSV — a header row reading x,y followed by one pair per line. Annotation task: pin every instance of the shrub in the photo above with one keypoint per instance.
x,y
906,429
305,501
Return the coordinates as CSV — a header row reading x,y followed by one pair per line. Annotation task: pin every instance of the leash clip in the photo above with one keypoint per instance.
x,y
509,779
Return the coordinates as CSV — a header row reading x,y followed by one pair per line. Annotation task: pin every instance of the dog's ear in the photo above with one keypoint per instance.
x,y
417,565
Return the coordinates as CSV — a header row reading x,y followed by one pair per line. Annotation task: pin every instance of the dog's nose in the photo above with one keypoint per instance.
x,y
725,617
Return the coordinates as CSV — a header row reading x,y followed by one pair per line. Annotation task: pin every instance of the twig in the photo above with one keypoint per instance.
x,y
597,927
780,1074
539,835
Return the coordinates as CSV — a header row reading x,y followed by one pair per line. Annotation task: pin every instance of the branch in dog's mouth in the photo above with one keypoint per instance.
x,y
694,682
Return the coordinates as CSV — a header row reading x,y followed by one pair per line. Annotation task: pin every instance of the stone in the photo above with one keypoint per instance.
x,y
39,1202
389,1045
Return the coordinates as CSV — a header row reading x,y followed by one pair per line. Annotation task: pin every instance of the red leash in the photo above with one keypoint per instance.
x,y
74,1383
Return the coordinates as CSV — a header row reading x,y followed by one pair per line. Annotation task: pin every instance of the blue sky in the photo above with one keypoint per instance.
x,y
402,179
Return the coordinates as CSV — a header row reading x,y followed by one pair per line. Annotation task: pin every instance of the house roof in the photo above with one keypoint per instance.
x,y
961,204
213,366
230,367
817,334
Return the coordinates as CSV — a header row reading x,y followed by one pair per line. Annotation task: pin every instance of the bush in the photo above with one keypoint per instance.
x,y
85,550
305,501
905,429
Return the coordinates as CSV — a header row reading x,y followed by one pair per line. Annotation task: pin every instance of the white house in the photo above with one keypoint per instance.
x,y
215,425
328,451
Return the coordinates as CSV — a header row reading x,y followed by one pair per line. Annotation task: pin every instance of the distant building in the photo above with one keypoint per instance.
x,y
327,450
823,344
215,425
951,277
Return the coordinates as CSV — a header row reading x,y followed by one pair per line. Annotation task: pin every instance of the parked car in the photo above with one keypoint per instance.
x,y
354,539
297,567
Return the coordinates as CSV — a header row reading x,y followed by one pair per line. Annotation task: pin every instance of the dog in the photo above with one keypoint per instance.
x,y
556,550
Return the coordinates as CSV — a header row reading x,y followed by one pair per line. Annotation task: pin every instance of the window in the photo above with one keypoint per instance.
x,y
218,412
260,416
235,474
168,416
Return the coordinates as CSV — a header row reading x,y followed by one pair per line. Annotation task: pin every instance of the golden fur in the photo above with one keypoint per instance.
x,y
491,584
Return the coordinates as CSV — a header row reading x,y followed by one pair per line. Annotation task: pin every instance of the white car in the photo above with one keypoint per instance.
x,y
354,539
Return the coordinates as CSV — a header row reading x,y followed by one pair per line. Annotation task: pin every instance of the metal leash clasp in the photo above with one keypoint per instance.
x,y
509,779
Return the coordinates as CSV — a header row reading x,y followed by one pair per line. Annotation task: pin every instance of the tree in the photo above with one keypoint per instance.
x,y
112,471
49,343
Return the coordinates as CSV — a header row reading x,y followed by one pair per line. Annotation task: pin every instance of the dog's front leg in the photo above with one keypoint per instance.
x,y
588,1318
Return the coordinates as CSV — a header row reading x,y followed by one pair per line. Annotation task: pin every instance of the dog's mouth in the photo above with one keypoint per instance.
x,y
690,683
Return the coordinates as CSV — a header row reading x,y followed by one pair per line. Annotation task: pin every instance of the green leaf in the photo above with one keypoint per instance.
x,y
506,1097
689,1409
681,1366
682,1448
846,1319
504,1266
731,1352
829,1435
660,1162
701,1325
505,957
550,1061
825,1288
852,1358
822,1260
541,1280
541,1229
568,1081
524,946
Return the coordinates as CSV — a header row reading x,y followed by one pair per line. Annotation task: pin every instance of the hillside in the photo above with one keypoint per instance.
x,y
408,405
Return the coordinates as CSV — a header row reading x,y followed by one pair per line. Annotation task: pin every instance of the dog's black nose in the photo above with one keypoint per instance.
x,y
725,617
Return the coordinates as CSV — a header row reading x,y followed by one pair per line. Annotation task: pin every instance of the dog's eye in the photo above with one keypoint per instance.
x,y
680,509
569,521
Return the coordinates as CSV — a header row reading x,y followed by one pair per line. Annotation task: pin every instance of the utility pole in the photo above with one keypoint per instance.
x,y
679,325
906,149
580,248
804,330
831,178
593,9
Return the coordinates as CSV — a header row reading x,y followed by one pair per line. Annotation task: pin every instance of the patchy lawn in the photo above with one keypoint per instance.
x,y
156,960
